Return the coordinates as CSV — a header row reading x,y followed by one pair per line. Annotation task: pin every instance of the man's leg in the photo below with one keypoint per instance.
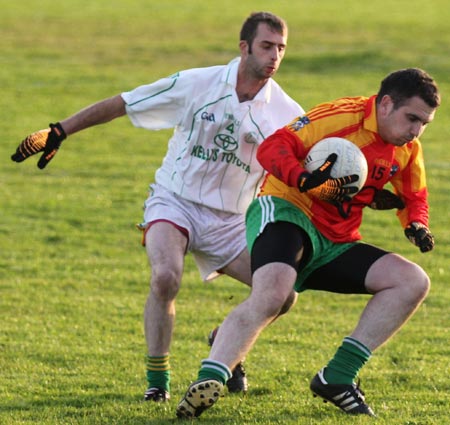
x,y
275,259
239,269
166,247
398,287
272,285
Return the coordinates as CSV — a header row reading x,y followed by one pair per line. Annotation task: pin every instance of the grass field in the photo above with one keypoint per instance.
x,y
73,276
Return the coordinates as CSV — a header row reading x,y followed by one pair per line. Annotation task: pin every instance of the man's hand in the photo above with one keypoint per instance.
x,y
385,200
322,186
48,141
420,236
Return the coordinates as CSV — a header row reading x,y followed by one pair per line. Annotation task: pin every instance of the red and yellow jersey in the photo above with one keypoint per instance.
x,y
282,155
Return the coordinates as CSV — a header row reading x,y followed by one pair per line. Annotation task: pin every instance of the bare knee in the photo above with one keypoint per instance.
x,y
394,272
272,292
165,283
267,309
417,285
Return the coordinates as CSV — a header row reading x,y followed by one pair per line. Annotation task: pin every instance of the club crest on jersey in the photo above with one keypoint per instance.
x,y
251,138
300,123
394,170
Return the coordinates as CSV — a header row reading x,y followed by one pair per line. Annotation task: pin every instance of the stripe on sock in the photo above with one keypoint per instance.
x,y
359,345
158,372
349,358
215,369
158,363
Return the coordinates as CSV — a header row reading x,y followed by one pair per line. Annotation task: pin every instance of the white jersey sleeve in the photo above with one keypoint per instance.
x,y
158,105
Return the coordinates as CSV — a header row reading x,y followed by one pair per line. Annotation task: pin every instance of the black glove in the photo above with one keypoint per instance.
x,y
48,140
420,236
322,186
385,200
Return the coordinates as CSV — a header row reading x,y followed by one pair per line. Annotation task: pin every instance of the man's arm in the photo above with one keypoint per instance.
x,y
97,113
49,140
411,184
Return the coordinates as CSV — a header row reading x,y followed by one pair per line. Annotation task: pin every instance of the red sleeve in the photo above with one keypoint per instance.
x,y
280,155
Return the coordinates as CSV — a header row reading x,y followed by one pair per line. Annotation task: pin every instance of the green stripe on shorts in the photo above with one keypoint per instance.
x,y
269,209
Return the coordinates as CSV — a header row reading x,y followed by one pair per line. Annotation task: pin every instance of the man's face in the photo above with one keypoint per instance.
x,y
400,126
267,51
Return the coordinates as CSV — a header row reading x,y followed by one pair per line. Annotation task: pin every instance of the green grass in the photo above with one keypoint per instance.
x,y
73,276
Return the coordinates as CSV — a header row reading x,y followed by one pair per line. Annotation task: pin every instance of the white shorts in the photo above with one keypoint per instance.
x,y
215,238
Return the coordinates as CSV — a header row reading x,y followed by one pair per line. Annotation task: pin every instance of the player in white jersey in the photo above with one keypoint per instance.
x,y
208,177
211,158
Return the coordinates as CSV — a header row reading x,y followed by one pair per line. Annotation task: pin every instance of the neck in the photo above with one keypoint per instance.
x,y
247,87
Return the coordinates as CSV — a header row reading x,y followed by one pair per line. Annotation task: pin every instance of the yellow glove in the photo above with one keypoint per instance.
x,y
48,141
322,186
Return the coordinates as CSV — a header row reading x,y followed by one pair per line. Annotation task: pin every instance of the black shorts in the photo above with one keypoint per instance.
x,y
284,241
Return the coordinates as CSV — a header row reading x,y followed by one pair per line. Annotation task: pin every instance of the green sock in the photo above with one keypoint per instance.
x,y
158,372
350,357
212,369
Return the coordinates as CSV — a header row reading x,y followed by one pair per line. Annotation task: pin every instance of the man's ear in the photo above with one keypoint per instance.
x,y
385,106
243,47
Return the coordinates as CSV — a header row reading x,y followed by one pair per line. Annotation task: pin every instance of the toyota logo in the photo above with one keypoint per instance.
x,y
226,142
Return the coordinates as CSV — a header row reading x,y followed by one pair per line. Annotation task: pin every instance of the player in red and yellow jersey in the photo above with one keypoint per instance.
x,y
302,232
354,119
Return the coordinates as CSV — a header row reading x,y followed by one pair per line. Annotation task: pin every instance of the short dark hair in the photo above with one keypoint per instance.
x,y
250,26
403,84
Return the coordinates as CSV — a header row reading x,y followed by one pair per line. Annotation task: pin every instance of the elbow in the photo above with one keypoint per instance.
x,y
263,154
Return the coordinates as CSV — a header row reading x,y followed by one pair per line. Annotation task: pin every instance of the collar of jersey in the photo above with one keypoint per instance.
x,y
230,77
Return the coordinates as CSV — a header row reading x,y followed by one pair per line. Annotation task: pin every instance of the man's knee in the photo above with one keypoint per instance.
x,y
272,292
418,284
165,283
395,272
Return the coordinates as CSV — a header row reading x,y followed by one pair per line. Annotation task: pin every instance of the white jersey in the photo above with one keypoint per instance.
x,y
211,158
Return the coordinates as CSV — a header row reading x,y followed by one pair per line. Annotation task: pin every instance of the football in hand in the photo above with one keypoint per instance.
x,y
350,159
